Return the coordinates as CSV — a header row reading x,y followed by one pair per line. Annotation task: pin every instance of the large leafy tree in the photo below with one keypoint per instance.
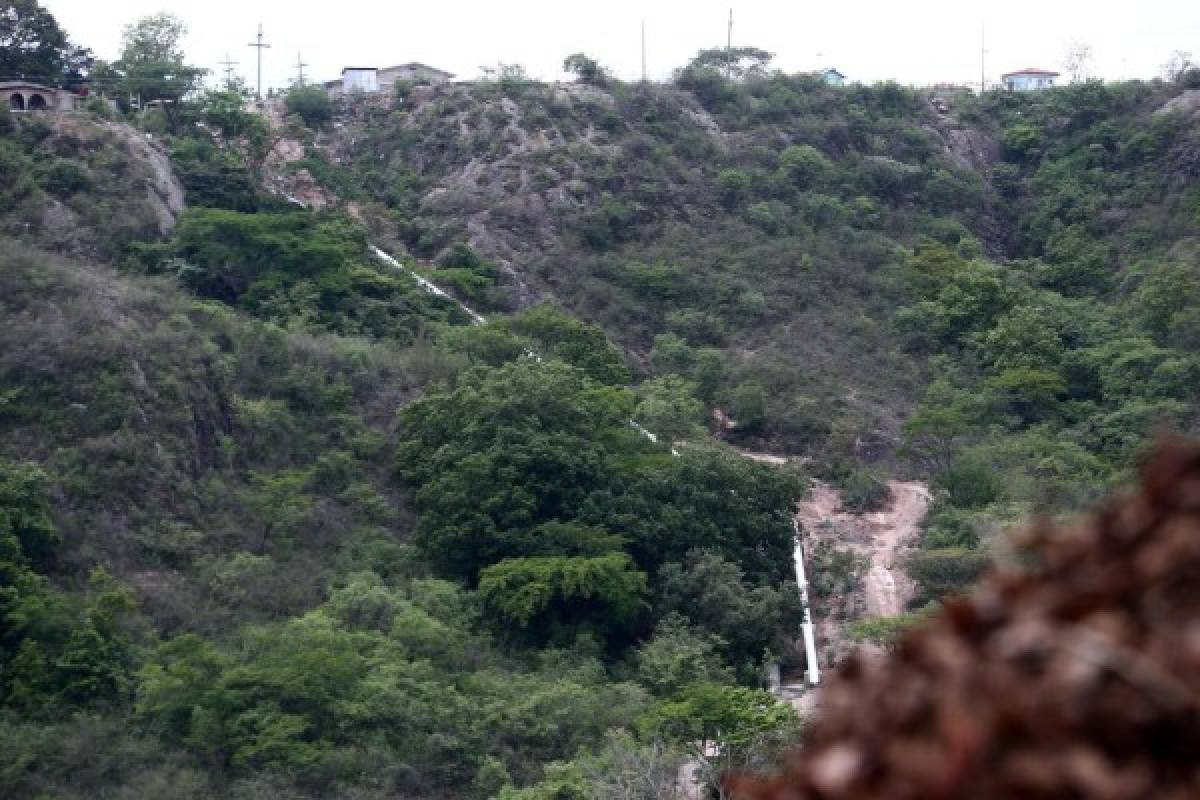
x,y
153,63
553,597
705,499
504,452
33,46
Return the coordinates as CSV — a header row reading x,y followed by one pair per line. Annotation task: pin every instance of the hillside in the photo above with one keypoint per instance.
x,y
766,240
275,521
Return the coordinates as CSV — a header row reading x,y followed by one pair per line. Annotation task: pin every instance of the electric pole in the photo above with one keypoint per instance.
x,y
228,64
982,59
729,47
643,49
300,65
259,46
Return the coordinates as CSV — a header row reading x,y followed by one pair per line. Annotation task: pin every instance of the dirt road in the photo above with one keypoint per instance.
x,y
881,536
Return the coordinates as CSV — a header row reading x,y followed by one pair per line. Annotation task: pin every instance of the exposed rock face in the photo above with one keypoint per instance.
x,y
164,192
1188,102
1078,677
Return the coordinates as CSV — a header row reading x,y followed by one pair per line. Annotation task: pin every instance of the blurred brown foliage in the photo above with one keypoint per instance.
x,y
1074,675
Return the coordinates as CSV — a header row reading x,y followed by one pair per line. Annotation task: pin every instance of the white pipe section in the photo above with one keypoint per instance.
x,y
810,642
424,283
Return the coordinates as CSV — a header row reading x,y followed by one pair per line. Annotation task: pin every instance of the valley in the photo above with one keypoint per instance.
x,y
455,439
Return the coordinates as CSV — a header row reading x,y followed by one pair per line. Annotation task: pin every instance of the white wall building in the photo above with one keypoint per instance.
x,y
1029,79
360,79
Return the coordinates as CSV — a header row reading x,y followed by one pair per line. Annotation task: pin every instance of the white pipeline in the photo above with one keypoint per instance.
x,y
424,283
810,642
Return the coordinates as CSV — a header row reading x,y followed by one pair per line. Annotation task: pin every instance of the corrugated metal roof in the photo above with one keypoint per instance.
x,y
1031,71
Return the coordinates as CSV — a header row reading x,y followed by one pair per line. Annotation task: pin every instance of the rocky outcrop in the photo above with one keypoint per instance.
x,y
164,192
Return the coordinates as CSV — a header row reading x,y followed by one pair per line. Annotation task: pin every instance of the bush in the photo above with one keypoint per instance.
x,y
946,571
971,484
311,104
862,492
63,178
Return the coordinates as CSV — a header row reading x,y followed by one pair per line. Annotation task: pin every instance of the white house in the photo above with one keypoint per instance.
x,y
360,79
370,80
832,77
1029,79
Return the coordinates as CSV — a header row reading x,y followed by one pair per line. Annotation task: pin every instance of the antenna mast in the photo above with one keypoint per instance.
x,y
300,65
260,47
228,64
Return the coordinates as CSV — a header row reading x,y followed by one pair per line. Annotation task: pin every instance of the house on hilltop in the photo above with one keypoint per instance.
x,y
28,96
370,80
1028,79
832,77
415,72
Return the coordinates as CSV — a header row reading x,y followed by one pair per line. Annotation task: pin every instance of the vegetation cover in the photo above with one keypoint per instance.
x,y
277,522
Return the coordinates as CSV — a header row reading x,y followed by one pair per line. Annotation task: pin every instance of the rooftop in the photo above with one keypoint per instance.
x,y
1031,71
26,85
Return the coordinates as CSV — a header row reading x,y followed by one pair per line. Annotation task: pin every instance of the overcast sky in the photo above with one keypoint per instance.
x,y
915,42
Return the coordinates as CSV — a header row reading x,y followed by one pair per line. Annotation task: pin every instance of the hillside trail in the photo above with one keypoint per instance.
x,y
881,537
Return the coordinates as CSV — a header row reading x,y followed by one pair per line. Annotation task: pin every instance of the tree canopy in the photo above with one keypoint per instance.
x,y
34,47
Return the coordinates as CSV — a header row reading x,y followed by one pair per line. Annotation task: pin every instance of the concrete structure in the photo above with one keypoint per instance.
x,y
1028,79
360,79
27,96
415,72
832,77
373,79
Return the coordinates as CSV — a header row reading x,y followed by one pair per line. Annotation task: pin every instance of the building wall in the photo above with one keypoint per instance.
x,y
360,80
1025,83
416,73
34,98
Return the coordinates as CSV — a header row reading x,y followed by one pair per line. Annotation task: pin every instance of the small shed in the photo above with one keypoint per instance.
x,y
28,96
1029,79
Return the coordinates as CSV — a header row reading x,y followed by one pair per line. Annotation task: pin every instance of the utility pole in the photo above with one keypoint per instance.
x,y
729,47
300,65
229,65
643,49
982,59
260,47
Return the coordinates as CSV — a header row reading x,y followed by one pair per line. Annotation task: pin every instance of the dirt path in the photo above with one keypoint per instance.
x,y
881,536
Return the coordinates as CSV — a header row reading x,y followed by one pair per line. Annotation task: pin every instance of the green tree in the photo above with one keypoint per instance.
x,y
503,452
705,498
732,719
554,597
803,166
745,618
678,655
748,405
311,104
153,66
669,408
942,572
586,70
34,47
737,63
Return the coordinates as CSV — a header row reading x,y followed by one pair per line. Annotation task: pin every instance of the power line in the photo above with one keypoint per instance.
x,y
259,46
